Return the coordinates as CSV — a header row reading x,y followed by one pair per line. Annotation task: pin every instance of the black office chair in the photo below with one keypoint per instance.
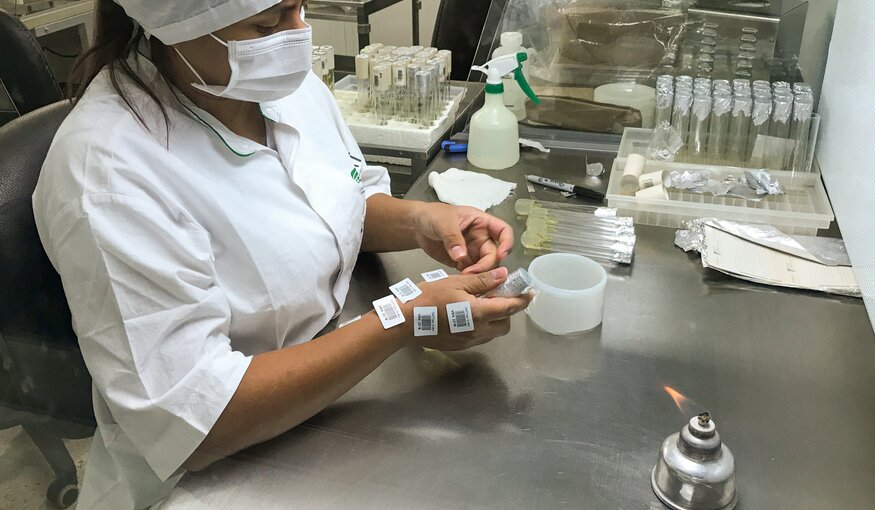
x,y
24,72
44,385
459,27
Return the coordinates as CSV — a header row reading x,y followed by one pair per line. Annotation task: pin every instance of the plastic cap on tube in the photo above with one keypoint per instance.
x,y
361,66
511,39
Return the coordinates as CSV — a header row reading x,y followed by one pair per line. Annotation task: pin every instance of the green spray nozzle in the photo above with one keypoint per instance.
x,y
500,66
521,79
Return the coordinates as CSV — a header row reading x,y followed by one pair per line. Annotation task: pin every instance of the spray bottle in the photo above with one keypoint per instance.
x,y
494,139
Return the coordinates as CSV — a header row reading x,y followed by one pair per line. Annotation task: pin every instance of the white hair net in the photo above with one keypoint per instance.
x,y
173,22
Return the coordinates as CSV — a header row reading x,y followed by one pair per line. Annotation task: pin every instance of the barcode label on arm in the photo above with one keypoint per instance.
x,y
433,276
405,290
389,312
459,317
425,321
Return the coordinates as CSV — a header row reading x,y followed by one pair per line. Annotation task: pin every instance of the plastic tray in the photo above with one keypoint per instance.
x,y
803,209
396,134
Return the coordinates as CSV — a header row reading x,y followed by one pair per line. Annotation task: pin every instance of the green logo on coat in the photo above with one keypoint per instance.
x,y
355,175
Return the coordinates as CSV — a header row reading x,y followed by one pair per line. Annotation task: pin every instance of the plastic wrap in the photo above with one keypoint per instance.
x,y
665,143
822,250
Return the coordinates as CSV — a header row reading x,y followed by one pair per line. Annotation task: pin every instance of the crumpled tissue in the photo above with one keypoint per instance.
x,y
460,187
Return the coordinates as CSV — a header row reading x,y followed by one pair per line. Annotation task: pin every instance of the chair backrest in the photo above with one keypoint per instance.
x,y
23,68
35,323
459,27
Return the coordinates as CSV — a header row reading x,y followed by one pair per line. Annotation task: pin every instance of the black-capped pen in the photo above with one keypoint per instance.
x,y
566,186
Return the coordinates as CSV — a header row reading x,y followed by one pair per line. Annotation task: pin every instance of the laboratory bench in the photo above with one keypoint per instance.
x,y
532,420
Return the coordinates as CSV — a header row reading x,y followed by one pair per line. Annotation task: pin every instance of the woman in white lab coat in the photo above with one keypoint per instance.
x,y
204,204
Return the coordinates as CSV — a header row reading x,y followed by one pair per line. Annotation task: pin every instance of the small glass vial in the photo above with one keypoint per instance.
x,y
329,54
363,84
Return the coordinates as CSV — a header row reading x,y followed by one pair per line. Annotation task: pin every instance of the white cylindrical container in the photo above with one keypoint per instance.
x,y
633,169
571,293
658,191
660,177
634,95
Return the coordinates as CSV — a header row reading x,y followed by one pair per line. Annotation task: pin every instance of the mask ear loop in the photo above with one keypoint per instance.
x,y
191,67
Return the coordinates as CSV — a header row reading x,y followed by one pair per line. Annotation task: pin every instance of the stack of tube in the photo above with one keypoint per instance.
x,y
322,64
749,124
405,84
588,231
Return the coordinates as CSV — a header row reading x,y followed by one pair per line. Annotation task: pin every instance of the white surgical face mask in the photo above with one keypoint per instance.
x,y
263,69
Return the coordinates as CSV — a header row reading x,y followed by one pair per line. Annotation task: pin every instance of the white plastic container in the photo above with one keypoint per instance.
x,y
803,209
570,293
494,139
634,95
514,97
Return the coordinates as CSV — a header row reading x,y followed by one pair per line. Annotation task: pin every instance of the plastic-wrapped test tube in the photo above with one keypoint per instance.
x,y
803,108
697,140
383,92
684,80
741,84
664,101
803,88
517,283
680,120
739,125
363,84
777,157
386,50
721,86
447,57
422,84
329,52
760,124
718,137
413,107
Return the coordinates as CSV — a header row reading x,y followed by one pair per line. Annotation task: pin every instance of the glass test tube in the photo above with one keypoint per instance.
x,y
329,52
383,92
400,95
760,116
422,85
718,136
413,107
698,136
739,125
680,120
664,102
363,84
447,57
322,70
777,155
803,109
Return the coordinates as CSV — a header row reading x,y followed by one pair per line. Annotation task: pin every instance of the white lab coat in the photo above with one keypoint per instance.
x,y
181,264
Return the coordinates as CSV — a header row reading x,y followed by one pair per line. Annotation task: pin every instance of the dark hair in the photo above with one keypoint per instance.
x,y
115,38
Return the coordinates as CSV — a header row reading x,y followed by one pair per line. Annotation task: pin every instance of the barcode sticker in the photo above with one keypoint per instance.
x,y
433,276
405,290
425,321
389,312
459,317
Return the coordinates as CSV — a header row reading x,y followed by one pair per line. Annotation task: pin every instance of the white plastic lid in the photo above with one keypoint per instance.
x,y
511,39
361,66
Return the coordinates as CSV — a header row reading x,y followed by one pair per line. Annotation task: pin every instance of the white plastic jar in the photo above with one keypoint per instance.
x,y
570,293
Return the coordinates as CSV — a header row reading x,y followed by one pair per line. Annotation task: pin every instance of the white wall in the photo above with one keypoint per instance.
x,y
847,141
392,25
815,42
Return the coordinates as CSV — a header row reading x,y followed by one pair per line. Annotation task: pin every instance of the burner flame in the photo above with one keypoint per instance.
x,y
679,399
686,405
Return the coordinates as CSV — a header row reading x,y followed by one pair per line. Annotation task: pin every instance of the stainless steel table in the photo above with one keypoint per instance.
x,y
535,421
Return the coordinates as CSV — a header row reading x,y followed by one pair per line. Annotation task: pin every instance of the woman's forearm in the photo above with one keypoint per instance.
x,y
283,388
390,224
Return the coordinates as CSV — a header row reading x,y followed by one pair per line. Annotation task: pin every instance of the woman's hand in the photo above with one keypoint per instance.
x,y
466,238
491,316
